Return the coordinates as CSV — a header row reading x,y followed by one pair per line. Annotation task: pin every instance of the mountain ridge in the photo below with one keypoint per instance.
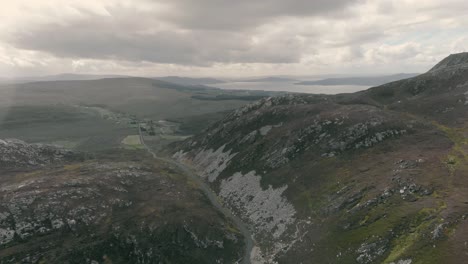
x,y
363,81
339,173
453,61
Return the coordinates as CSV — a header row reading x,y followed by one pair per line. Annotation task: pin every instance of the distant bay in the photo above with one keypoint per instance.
x,y
291,87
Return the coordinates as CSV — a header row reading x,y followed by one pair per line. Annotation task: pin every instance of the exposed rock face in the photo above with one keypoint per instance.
x,y
369,252
403,261
334,130
209,163
370,177
267,209
105,211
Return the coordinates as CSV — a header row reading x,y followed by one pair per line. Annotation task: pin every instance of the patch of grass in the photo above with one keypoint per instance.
x,y
132,142
416,236
403,244
72,167
364,221
458,157
231,228
459,140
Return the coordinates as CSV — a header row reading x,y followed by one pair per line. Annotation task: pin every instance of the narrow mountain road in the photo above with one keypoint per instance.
x,y
214,199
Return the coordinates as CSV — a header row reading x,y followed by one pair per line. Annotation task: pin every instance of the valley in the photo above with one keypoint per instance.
x,y
212,197
148,171
233,132
114,143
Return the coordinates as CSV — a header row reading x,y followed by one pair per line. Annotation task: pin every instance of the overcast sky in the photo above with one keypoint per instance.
x,y
227,37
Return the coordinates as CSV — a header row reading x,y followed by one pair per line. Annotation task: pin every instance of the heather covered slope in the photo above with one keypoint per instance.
x,y
440,94
18,154
56,207
373,177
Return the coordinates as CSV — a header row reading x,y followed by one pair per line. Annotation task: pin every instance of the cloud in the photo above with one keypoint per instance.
x,y
229,37
98,39
387,53
245,14
120,33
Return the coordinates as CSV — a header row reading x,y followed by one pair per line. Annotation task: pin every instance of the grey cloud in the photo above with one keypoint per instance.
x,y
240,14
129,34
206,32
358,37
99,38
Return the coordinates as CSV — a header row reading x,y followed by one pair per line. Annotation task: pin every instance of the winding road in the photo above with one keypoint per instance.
x,y
214,199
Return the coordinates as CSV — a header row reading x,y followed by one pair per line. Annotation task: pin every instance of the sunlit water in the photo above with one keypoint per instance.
x,y
291,87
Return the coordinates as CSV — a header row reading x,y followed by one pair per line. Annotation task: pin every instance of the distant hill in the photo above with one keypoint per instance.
x,y
271,79
142,97
59,77
364,80
188,80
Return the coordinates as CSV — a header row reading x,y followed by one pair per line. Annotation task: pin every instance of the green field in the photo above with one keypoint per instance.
x,y
145,98
132,142
62,125
97,115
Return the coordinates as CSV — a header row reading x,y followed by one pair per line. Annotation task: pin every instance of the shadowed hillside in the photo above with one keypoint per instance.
x,y
57,207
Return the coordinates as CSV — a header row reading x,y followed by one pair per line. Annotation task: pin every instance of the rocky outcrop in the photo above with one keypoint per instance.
x,y
252,147
208,163
105,211
17,153
267,209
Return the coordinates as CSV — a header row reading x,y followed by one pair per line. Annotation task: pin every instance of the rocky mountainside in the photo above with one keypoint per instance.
x,y
16,153
454,61
377,176
57,207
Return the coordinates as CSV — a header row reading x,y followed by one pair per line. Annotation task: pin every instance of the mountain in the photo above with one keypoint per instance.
x,y
189,81
58,77
377,176
364,81
86,77
454,61
125,207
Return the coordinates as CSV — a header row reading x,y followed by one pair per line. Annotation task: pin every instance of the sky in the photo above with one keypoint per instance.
x,y
228,38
